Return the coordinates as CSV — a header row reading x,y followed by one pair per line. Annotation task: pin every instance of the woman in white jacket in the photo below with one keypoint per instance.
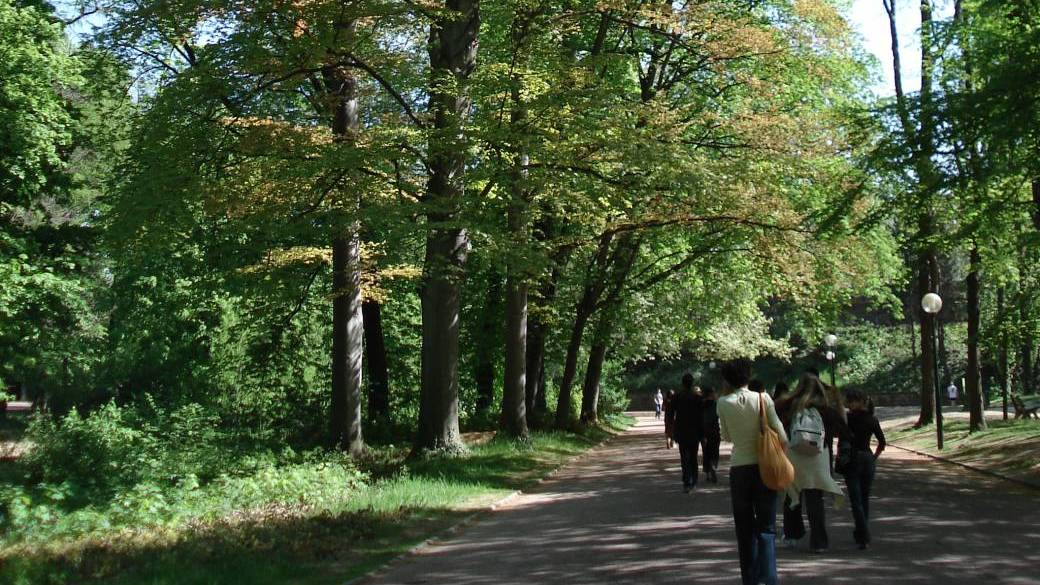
x,y
813,416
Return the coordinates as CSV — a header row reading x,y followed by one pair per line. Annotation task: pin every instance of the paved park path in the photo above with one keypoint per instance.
x,y
619,516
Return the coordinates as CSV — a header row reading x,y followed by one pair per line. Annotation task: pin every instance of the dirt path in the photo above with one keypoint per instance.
x,y
619,516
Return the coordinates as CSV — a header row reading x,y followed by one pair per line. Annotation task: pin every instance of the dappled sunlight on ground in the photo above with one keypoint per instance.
x,y
619,516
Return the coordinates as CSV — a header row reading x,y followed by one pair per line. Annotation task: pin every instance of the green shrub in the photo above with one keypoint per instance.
x,y
96,452
119,447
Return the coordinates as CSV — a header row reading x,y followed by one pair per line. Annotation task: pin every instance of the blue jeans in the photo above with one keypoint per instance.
x,y
858,480
688,459
754,516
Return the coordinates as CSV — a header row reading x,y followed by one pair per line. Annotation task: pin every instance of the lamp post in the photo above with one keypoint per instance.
x,y
831,341
932,304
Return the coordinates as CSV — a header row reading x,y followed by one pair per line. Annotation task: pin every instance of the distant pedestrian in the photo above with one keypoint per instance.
x,y
811,416
780,390
754,504
756,385
857,462
687,428
951,393
669,417
712,435
658,404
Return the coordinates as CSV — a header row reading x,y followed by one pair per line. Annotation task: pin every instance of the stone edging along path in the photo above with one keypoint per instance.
x,y
477,515
996,474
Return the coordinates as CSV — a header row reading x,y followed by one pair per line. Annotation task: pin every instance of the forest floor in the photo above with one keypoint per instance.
x,y
619,516
1007,447
404,504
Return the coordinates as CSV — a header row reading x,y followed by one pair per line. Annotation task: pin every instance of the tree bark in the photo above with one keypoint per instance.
x,y
484,367
535,356
347,321
564,409
514,405
927,262
594,372
590,296
1002,352
911,329
1026,347
347,343
514,378
452,50
927,415
628,249
1026,352
973,389
378,364
537,334
541,402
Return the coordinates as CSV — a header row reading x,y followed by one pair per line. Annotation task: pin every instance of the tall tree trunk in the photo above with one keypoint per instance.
x,y
564,409
1026,349
538,327
347,321
1036,204
628,252
514,406
438,428
1026,353
378,364
941,354
452,51
347,343
911,329
928,349
594,285
514,378
973,389
928,276
537,335
484,366
594,371
535,355
541,401
1002,352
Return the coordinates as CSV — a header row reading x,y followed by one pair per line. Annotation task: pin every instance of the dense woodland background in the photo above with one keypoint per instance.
x,y
250,235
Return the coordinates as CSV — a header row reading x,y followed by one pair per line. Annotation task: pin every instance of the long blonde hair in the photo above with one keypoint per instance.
x,y
811,391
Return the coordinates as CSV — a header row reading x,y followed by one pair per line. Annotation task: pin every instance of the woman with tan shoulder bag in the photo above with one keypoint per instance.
x,y
749,421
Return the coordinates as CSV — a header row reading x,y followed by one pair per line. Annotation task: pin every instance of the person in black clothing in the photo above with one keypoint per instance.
x,y
669,407
756,386
780,390
859,470
687,429
712,435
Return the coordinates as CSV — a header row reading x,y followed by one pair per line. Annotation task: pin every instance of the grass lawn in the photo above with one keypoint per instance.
x,y
1010,447
304,544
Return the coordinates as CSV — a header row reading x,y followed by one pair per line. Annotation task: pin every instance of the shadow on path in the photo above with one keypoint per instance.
x,y
619,516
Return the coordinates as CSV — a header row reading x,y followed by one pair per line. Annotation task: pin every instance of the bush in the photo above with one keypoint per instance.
x,y
123,446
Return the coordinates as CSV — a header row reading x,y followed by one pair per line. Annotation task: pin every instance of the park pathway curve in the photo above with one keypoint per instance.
x,y
619,515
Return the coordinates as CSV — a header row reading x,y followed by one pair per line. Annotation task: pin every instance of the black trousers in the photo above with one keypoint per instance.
x,y
688,459
754,517
859,480
711,452
794,526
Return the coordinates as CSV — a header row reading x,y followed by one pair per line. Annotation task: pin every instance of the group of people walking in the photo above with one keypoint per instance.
x,y
691,421
823,433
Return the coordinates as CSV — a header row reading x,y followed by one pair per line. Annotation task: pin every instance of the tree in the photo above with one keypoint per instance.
x,y
61,121
452,50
